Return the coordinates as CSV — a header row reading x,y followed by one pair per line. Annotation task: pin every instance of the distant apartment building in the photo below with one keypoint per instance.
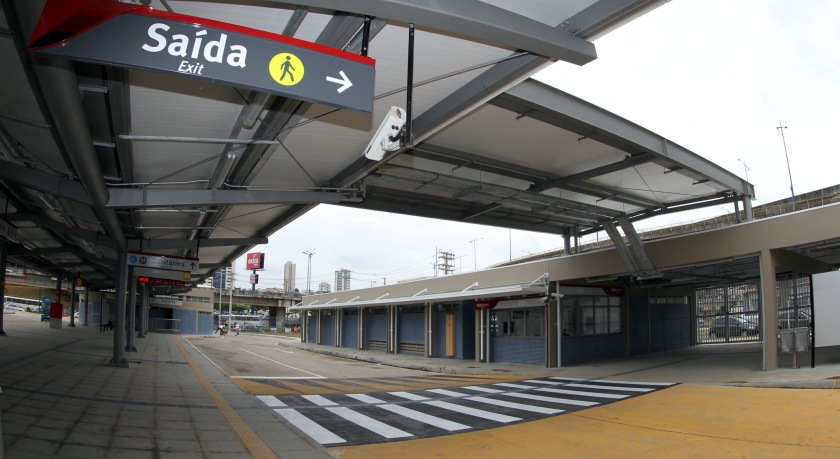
x,y
223,278
342,280
289,273
324,287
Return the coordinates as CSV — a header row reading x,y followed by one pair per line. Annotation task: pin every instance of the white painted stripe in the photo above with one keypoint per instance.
x,y
275,377
582,393
448,393
639,383
367,422
411,414
319,400
409,395
310,427
366,398
514,386
615,381
618,388
516,406
540,398
473,411
280,363
483,389
270,400
444,424
543,381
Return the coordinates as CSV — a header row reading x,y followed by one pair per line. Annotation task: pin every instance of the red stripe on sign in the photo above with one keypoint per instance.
x,y
61,20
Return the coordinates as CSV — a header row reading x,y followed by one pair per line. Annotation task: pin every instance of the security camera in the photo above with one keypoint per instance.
x,y
387,137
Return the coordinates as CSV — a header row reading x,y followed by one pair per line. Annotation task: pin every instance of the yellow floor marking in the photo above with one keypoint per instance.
x,y
681,421
260,388
361,385
247,436
315,388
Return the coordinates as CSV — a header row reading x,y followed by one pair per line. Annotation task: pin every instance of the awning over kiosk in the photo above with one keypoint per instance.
x,y
422,297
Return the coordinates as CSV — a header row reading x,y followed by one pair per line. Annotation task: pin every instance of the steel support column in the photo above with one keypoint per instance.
x,y
132,310
769,319
119,312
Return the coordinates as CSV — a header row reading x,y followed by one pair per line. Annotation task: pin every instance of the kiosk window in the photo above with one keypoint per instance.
x,y
587,315
517,323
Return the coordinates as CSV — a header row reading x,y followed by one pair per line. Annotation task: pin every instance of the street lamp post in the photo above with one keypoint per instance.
x,y
790,177
475,261
309,270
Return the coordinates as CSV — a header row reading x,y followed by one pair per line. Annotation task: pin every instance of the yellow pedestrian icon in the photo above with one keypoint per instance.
x,y
286,69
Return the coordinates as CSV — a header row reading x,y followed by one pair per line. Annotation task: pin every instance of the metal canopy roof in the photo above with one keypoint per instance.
x,y
423,297
96,160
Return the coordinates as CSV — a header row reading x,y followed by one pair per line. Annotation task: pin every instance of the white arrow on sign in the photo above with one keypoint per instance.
x,y
343,81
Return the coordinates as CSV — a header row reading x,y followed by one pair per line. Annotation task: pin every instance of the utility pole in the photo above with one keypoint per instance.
x,y
790,177
475,260
309,270
447,259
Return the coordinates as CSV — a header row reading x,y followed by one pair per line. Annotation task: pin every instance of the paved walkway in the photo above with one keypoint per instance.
x,y
60,398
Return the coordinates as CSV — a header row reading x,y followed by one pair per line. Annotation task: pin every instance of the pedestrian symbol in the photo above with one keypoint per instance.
x,y
286,69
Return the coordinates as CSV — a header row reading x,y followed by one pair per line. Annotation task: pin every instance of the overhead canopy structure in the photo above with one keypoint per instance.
x,y
99,159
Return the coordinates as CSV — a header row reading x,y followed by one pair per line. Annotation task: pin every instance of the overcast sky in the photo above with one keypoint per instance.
x,y
714,76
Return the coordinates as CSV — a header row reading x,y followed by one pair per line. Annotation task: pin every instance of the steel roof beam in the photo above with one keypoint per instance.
x,y
85,235
589,118
605,15
123,198
168,244
476,20
28,177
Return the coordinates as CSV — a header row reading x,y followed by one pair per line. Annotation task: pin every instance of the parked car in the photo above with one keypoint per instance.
x,y
790,318
738,326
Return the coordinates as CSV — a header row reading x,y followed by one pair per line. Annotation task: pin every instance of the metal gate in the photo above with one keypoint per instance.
x,y
728,314
732,313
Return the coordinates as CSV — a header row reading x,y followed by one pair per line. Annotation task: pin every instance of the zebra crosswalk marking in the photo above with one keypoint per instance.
x,y
514,386
319,400
446,392
270,400
581,393
615,381
618,388
514,405
540,398
409,395
310,427
369,423
336,419
483,389
489,415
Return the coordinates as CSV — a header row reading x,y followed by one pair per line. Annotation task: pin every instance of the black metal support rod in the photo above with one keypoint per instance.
x,y
73,302
811,325
409,140
366,36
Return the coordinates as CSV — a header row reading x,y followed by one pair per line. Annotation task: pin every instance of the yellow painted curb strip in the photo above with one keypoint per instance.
x,y
246,435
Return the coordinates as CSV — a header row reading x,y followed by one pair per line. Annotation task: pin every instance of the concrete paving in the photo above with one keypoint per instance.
x,y
61,398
